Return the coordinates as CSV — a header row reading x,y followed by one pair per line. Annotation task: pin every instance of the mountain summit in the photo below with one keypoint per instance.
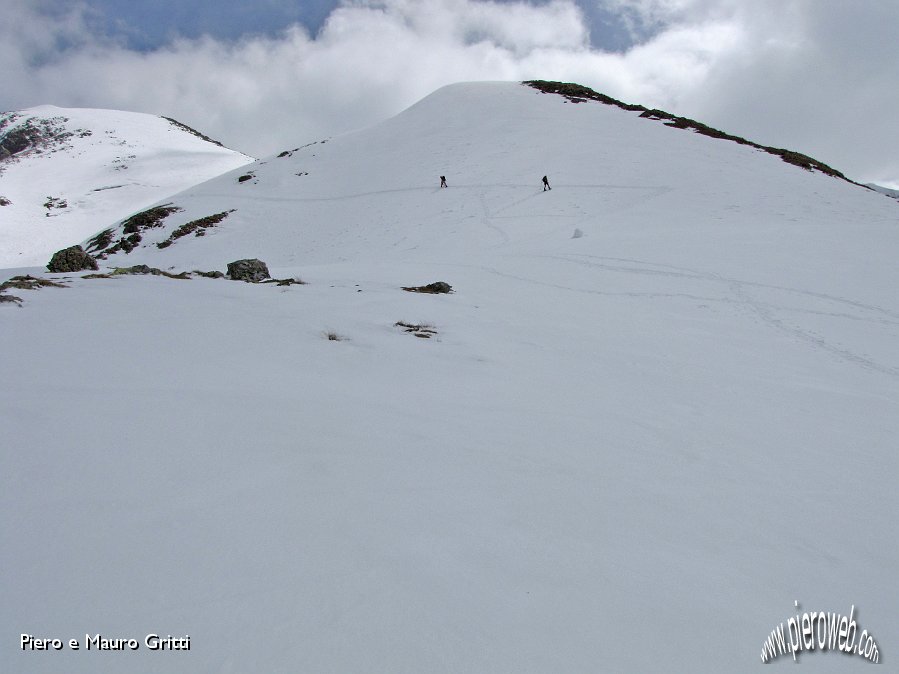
x,y
631,424
65,172
376,192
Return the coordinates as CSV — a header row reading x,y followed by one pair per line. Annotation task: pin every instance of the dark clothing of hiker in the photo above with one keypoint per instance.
x,y
546,184
443,181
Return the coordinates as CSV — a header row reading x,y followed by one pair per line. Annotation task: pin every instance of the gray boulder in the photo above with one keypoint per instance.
x,y
251,271
436,288
71,259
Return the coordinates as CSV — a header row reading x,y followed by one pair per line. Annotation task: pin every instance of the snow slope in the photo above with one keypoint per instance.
x,y
85,169
659,407
884,190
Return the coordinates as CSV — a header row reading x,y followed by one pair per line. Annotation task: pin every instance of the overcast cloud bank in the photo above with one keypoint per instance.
x,y
815,76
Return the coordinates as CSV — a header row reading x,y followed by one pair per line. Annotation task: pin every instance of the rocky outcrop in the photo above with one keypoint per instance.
x,y
142,269
577,93
24,283
251,270
132,228
71,259
436,288
197,227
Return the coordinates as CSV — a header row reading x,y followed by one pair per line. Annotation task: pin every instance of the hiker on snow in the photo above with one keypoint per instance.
x,y
443,181
546,184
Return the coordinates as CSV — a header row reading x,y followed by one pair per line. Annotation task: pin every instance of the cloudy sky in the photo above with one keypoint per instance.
x,y
817,76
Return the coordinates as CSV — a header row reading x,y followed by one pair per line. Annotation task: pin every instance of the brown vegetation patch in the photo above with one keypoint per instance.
x,y
142,269
12,299
55,202
100,241
29,283
132,228
197,227
148,219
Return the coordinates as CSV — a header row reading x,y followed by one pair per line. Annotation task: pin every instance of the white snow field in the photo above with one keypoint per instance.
x,y
630,450
88,168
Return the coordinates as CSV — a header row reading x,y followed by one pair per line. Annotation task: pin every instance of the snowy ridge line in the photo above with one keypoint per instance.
x,y
190,130
578,93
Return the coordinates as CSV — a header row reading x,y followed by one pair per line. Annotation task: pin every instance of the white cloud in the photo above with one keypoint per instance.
x,y
814,76
370,60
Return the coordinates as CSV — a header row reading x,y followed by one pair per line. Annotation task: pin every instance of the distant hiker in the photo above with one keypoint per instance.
x,y
443,181
546,184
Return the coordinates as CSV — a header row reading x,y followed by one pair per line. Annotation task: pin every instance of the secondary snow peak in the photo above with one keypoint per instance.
x,y
66,172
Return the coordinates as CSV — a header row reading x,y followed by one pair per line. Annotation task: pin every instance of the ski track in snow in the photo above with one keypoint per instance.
x,y
764,311
739,289
488,217
739,296
652,191
693,273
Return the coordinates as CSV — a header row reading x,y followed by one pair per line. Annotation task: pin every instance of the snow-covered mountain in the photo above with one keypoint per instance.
x,y
884,190
657,409
67,172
